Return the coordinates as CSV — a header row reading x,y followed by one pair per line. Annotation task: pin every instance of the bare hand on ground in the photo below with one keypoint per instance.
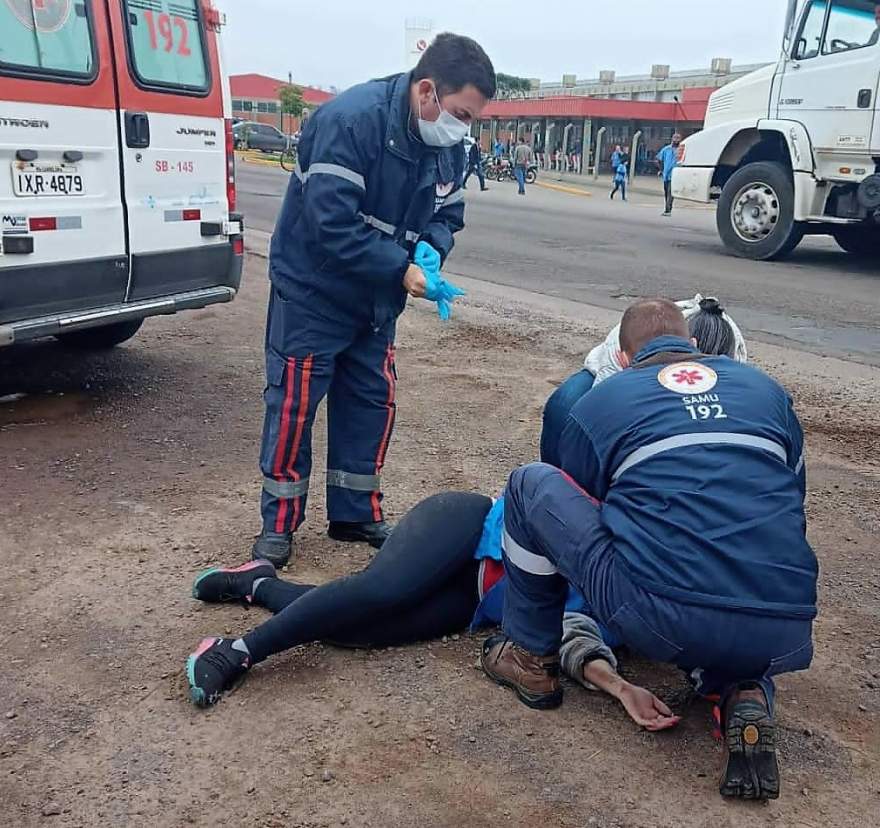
x,y
643,707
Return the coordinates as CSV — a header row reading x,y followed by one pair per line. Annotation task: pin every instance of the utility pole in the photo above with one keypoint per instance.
x,y
289,116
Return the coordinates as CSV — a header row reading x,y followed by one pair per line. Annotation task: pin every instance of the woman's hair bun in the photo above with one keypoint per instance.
x,y
711,305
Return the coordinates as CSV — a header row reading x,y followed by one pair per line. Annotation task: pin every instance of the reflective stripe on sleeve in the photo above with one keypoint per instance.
x,y
382,226
335,169
716,438
353,482
800,465
527,561
412,236
454,198
286,490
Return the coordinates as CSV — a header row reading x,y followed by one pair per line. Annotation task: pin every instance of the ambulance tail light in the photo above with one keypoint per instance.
x,y
230,165
238,246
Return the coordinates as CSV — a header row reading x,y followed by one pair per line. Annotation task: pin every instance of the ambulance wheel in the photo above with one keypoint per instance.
x,y
756,212
95,339
860,241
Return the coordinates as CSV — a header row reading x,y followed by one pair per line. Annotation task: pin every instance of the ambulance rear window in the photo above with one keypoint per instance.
x,y
167,44
52,38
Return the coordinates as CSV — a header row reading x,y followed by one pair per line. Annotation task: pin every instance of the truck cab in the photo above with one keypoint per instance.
x,y
117,189
794,148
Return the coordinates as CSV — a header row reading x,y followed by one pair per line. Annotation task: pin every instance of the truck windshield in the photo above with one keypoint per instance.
x,y
852,24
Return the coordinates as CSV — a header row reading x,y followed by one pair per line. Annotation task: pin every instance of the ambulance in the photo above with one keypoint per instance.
x,y
117,176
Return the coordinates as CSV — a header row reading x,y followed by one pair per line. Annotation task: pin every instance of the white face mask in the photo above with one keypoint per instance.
x,y
446,131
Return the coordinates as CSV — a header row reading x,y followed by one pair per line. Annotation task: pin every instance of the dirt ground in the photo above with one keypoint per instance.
x,y
126,473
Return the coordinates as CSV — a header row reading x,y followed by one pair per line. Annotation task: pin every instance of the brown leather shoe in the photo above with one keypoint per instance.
x,y
535,679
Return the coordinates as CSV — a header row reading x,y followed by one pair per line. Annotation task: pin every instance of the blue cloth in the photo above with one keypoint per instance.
x,y
668,158
556,412
520,173
556,534
615,159
715,514
366,189
620,174
309,357
498,149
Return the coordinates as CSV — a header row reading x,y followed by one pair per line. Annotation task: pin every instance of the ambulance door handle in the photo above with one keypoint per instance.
x,y
137,130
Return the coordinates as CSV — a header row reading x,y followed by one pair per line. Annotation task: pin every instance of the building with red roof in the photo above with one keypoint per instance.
x,y
255,98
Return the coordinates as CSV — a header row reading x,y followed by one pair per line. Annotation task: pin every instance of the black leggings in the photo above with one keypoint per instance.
x,y
422,584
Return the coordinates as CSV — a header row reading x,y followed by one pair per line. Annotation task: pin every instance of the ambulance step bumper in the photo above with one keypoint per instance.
x,y
36,328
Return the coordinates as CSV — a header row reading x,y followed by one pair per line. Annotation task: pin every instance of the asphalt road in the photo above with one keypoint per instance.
x,y
591,250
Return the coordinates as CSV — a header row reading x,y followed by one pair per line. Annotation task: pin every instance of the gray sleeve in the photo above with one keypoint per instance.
x,y
581,643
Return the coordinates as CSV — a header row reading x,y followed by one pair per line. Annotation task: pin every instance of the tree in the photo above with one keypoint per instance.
x,y
292,103
511,86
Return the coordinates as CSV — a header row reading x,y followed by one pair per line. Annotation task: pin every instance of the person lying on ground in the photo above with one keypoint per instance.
x,y
426,582
678,512
708,322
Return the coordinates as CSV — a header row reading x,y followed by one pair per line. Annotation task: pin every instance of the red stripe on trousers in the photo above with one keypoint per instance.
x,y
383,445
581,489
301,415
282,439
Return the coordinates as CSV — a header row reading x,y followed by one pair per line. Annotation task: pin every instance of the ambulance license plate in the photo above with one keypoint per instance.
x,y
32,180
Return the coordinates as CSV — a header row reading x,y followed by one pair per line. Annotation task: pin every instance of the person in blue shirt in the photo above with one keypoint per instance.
x,y
620,177
377,181
616,155
667,161
678,512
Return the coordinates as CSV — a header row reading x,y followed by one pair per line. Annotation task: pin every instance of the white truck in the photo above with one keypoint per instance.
x,y
794,148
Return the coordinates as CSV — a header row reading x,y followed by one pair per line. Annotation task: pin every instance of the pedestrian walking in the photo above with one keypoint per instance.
x,y
523,156
475,165
620,177
616,155
667,161
377,185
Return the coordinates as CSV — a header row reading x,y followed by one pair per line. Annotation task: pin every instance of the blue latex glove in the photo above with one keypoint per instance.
x,y
427,258
438,289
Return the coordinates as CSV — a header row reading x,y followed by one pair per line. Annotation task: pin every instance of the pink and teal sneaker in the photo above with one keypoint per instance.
x,y
222,585
215,667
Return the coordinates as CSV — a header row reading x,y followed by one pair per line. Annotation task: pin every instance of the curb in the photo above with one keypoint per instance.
x,y
261,161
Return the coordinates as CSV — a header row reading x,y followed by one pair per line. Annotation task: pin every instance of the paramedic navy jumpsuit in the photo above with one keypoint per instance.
x,y
680,518
366,190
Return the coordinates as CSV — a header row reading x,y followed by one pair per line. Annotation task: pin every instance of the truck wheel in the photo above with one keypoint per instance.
x,y
756,212
103,337
860,241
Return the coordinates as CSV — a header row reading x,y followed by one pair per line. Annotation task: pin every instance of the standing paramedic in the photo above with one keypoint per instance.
x,y
680,517
377,188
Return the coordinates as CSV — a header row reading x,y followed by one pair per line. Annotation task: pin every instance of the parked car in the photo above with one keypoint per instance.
x,y
262,137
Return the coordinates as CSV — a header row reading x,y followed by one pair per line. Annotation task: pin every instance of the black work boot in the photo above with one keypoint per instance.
x,y
273,547
374,534
534,679
750,768
220,585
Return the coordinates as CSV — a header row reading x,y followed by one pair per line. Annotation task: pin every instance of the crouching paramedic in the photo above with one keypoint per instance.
x,y
679,513
378,175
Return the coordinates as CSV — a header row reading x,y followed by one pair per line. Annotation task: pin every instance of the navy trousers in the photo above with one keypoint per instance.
x,y
554,534
311,354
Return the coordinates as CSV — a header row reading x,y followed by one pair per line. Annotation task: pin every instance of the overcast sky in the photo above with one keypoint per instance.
x,y
342,42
